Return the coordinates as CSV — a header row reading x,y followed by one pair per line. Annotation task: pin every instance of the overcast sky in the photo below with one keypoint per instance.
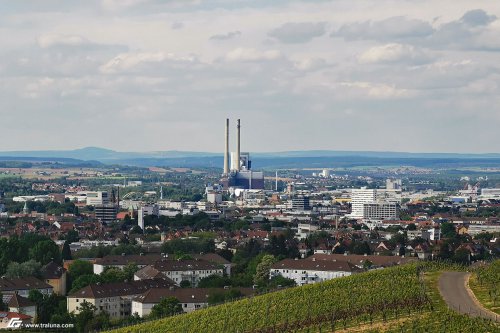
x,y
143,75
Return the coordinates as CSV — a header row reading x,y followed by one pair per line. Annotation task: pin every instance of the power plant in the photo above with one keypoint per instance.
x,y
238,174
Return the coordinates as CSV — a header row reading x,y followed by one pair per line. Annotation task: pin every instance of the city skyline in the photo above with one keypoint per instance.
x,y
145,75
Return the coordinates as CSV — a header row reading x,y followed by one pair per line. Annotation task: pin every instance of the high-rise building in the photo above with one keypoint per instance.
x,y
146,210
360,196
380,211
97,198
106,213
300,203
393,184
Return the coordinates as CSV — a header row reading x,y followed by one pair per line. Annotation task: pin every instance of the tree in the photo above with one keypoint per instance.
x,y
282,281
136,230
87,311
214,281
262,271
448,230
66,251
168,306
130,270
367,264
80,267
3,306
84,280
45,252
28,268
185,284
72,236
461,256
411,227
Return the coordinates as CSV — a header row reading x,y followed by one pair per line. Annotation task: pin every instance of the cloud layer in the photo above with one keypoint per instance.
x,y
159,75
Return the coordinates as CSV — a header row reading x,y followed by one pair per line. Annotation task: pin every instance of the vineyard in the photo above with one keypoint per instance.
x,y
485,283
398,297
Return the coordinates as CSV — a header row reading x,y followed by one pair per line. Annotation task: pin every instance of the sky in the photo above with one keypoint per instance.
x,y
151,75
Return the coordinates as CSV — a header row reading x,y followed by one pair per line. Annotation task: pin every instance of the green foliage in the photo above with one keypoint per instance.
x,y
80,267
85,277
214,281
3,306
221,296
448,230
66,251
280,281
261,276
168,306
28,246
45,252
28,268
85,316
185,284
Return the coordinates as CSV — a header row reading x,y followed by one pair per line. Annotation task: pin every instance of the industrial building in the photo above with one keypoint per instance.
x,y
238,171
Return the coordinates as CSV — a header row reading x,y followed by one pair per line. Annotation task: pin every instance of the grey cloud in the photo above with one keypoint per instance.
x,y
477,17
397,27
470,32
177,25
229,35
301,32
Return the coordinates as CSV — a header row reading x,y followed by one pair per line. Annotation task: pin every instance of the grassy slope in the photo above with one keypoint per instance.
x,y
269,310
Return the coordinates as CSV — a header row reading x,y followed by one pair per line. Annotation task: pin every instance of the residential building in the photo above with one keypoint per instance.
x,y
120,261
6,317
22,286
113,298
19,304
190,270
190,298
55,275
304,271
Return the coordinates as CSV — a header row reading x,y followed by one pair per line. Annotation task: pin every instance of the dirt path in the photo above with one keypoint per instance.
x,y
455,291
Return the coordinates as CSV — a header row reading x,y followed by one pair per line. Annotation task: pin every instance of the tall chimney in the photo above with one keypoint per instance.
x,y
226,149
238,157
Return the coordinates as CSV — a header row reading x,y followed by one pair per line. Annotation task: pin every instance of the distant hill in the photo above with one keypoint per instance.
x,y
286,159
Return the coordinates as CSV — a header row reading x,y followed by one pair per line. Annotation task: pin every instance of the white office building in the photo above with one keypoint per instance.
x,y
97,198
358,198
146,210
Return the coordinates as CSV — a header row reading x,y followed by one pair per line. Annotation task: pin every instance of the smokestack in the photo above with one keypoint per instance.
x,y
238,157
226,149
